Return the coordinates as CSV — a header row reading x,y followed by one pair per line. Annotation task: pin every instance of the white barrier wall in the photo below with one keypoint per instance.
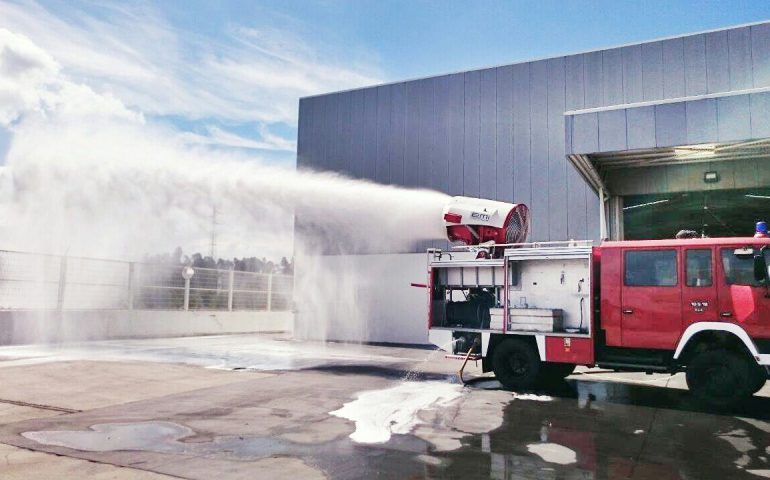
x,y
27,326
362,298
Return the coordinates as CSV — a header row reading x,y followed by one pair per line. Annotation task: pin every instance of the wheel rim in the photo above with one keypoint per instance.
x,y
720,381
518,365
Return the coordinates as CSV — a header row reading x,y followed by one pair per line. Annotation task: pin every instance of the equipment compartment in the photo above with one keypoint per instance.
x,y
544,289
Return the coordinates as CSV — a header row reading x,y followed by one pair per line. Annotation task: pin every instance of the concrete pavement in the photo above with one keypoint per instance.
x,y
260,406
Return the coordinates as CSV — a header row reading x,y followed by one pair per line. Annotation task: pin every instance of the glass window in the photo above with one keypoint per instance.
x,y
699,268
739,270
513,268
650,268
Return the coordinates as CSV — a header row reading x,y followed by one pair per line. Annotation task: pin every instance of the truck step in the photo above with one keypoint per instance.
x,y
474,357
632,366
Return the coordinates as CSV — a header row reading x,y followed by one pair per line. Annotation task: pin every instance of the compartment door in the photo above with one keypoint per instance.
x,y
651,299
699,293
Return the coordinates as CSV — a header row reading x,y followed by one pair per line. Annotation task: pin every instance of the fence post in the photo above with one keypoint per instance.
x,y
269,291
186,294
62,284
230,289
131,285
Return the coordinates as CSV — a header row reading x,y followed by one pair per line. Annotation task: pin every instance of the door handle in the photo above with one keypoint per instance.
x,y
726,314
627,311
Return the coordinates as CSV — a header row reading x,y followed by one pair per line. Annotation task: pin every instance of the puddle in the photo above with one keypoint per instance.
x,y
561,438
739,440
165,437
484,383
405,456
230,352
110,437
764,426
378,414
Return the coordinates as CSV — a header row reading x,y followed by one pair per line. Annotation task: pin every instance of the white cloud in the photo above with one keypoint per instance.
x,y
219,137
132,51
24,70
31,82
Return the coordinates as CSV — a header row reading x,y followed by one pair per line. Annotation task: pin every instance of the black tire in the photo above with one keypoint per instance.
x,y
720,378
555,373
516,364
758,378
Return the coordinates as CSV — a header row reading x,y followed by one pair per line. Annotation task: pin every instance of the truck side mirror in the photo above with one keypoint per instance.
x,y
760,268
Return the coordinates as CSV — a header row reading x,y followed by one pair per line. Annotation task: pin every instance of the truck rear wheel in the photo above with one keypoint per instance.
x,y
516,364
719,378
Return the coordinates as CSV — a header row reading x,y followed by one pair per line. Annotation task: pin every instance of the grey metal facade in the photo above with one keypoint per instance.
x,y
501,132
724,117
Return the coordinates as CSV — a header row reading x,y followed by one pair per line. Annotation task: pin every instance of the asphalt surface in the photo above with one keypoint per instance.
x,y
265,406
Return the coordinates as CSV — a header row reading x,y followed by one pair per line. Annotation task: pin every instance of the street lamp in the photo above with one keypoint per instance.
x,y
187,274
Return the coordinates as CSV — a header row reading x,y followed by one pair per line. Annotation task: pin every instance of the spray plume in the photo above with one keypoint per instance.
x,y
86,175
123,190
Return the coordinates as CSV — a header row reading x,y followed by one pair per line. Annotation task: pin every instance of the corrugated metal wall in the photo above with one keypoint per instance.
x,y
731,118
499,133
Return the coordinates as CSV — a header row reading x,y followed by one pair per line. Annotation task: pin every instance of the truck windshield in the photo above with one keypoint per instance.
x,y
739,270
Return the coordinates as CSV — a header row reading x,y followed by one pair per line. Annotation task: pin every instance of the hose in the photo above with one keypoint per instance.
x,y
582,299
465,362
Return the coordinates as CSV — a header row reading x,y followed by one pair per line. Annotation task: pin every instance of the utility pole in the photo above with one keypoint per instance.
x,y
213,244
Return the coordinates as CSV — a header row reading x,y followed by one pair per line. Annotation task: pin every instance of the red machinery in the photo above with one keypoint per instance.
x,y
533,311
474,221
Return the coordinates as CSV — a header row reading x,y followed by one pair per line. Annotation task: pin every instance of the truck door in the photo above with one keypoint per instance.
x,y
742,299
699,292
651,298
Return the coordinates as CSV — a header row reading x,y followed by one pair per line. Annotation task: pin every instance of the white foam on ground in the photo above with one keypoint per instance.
x,y
532,396
435,461
553,453
380,413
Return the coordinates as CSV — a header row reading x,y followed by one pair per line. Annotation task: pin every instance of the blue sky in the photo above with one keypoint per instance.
x,y
228,74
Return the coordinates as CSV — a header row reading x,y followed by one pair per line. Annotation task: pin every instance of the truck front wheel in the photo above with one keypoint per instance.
x,y
516,364
759,377
719,378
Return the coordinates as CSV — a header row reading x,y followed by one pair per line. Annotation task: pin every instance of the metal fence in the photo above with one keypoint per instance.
x,y
35,281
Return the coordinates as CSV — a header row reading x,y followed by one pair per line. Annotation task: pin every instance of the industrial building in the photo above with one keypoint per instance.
x,y
631,142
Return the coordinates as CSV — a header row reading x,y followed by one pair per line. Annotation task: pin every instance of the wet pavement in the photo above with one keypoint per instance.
x,y
273,408
634,432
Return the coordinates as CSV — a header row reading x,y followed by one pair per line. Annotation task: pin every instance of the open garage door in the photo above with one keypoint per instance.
x,y
714,189
714,213
697,156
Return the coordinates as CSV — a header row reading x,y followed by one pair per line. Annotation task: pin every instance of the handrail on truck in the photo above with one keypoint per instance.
x,y
560,243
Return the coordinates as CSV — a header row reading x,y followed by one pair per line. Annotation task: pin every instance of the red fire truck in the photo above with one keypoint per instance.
x,y
531,312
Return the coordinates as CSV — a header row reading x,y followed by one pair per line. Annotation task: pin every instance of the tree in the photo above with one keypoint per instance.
x,y
286,267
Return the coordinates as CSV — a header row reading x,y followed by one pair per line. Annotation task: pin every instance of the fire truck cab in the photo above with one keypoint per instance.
x,y
531,312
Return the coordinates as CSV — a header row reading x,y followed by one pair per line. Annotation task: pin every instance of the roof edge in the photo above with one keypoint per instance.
x,y
665,101
539,59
